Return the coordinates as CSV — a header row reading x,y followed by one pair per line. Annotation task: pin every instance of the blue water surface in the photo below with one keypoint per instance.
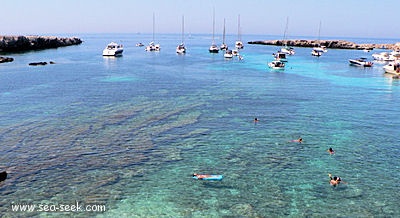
x,y
129,132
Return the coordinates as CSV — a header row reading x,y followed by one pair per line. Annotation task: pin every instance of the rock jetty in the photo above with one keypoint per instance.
x,y
26,43
336,44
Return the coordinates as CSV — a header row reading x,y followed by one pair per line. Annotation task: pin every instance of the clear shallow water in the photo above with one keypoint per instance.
x,y
128,132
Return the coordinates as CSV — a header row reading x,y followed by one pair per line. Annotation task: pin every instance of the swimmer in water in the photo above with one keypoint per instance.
x,y
331,151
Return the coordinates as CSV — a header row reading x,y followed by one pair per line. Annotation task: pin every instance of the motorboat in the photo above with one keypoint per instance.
x,y
113,49
181,49
280,56
395,55
383,56
362,62
392,68
316,52
228,54
276,64
139,44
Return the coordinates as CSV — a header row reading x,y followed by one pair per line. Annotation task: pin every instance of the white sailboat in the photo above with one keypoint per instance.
x,y
286,49
223,45
239,43
319,50
181,49
213,48
152,46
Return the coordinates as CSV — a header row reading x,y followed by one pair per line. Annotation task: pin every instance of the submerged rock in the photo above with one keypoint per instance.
x,y
3,176
37,63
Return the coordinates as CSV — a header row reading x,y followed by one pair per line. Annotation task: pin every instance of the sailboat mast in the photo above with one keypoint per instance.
x,y
154,23
223,35
183,28
239,37
213,41
286,29
319,32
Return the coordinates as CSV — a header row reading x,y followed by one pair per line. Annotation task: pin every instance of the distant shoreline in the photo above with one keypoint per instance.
x,y
27,43
336,44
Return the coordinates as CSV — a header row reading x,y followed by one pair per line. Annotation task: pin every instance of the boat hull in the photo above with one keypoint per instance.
x,y
393,69
213,49
277,65
360,63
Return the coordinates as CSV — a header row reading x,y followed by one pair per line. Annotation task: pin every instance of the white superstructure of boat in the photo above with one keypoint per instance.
x,y
279,56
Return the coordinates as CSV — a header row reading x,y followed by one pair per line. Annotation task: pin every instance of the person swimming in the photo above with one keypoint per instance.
x,y
201,176
334,181
255,120
331,151
299,140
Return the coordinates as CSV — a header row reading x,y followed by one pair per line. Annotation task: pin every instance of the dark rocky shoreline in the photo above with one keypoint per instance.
x,y
26,43
336,44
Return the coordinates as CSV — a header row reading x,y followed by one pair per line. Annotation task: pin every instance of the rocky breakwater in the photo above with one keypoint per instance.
x,y
26,43
336,44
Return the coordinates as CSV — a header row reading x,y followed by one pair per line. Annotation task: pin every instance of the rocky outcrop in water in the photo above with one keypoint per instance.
x,y
25,43
338,44
6,59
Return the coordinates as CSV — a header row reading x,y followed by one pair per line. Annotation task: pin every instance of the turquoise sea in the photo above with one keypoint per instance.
x,y
128,132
